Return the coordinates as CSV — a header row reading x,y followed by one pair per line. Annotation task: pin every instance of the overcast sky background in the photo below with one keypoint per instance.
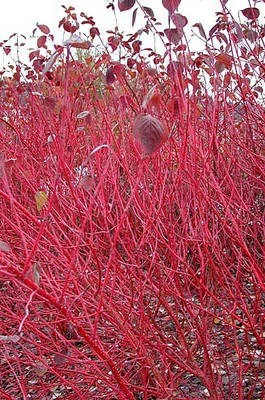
x,y
21,16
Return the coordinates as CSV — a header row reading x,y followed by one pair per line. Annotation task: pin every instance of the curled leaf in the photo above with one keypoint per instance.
x,y
34,273
87,182
83,114
41,199
134,16
149,132
52,60
11,338
40,367
77,42
4,247
214,29
201,29
148,97
94,31
61,358
95,150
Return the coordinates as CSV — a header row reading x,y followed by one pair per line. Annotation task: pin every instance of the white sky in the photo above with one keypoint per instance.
x,y
21,16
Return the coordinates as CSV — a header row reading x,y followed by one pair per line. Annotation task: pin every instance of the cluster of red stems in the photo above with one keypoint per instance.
x,y
132,213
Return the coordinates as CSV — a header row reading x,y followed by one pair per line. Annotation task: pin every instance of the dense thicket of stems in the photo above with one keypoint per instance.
x,y
125,275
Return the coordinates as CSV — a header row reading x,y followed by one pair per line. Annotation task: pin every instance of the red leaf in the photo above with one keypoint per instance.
x,y
250,35
171,5
219,66
84,45
175,67
68,27
41,41
34,54
125,101
179,21
174,35
61,22
225,59
119,69
113,42
51,103
149,132
181,47
110,76
134,16
44,29
130,62
136,45
173,106
149,11
52,60
77,42
7,50
125,5
94,32
139,67
251,12
38,65
201,30
239,32
214,29
116,70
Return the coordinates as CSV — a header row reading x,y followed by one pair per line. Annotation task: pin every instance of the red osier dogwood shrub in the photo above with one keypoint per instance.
x,y
123,276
